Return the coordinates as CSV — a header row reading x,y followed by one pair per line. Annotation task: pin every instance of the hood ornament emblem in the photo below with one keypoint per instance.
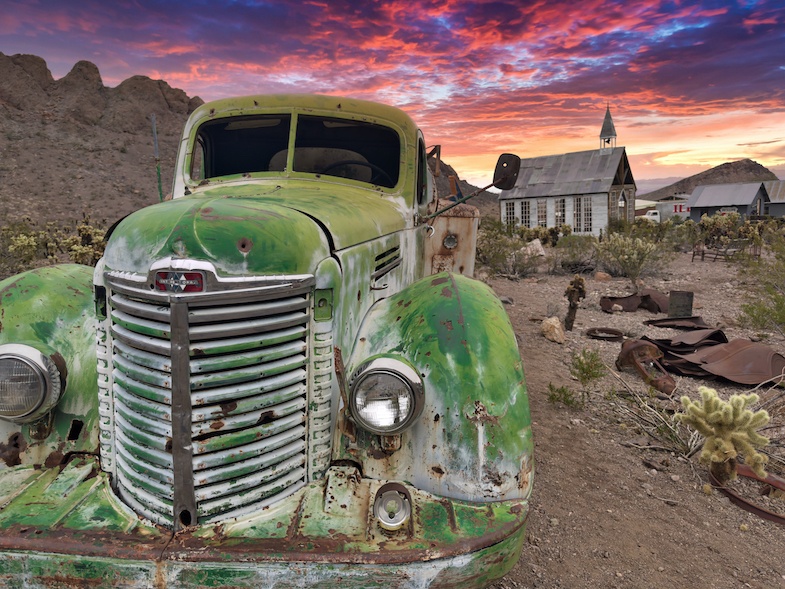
x,y
178,282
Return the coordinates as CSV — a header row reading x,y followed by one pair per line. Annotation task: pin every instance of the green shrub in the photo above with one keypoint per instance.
x,y
502,252
631,257
563,395
586,367
766,277
25,244
547,235
574,254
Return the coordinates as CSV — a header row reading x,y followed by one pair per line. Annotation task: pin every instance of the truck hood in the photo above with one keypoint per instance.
x,y
255,230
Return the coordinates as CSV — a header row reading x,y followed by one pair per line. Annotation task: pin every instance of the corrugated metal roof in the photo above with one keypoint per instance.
x,y
724,195
776,190
581,172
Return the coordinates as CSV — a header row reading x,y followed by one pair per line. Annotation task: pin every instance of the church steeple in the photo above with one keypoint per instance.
x,y
608,132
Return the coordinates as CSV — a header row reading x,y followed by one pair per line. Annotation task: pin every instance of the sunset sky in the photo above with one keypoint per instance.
x,y
690,84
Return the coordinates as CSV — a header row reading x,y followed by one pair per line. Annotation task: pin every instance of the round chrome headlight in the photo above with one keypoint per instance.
x,y
386,396
30,383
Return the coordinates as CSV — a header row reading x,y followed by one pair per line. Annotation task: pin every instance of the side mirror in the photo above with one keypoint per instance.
x,y
506,173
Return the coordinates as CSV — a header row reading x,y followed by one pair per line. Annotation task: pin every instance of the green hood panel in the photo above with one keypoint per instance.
x,y
255,230
52,309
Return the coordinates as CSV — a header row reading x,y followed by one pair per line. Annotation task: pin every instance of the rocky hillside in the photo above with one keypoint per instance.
x,y
729,173
486,202
73,146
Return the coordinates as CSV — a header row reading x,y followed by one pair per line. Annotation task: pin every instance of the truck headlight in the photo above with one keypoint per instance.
x,y
386,396
30,383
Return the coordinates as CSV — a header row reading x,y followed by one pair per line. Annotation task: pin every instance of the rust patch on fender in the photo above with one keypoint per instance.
x,y
9,453
345,425
481,415
54,459
244,245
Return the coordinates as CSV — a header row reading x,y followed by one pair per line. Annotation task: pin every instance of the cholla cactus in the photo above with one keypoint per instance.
x,y
628,256
730,429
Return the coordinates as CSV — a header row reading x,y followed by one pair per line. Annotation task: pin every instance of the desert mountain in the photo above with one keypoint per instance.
x,y
74,146
729,173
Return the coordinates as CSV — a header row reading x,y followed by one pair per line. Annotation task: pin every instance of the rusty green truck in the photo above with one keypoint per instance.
x,y
280,377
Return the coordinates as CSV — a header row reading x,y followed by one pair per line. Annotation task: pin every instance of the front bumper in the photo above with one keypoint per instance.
x,y
64,527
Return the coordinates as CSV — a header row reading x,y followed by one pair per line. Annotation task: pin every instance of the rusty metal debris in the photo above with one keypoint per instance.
x,y
607,334
693,322
643,357
707,353
648,299
745,471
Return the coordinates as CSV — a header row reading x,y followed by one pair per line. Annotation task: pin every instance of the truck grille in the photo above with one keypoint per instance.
x,y
209,399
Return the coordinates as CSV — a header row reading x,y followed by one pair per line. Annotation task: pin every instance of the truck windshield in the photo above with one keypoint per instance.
x,y
343,148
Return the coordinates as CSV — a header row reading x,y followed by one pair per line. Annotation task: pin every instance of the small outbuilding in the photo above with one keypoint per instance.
x,y
584,189
749,198
776,192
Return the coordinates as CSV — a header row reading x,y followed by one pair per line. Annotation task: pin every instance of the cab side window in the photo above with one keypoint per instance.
x,y
422,176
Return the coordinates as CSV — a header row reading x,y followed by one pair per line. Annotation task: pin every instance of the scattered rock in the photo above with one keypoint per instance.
x,y
602,277
552,330
534,248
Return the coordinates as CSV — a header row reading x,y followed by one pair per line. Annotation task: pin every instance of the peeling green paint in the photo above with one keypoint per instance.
x,y
63,294
471,442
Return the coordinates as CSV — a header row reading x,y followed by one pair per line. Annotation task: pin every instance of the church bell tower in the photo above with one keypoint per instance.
x,y
608,132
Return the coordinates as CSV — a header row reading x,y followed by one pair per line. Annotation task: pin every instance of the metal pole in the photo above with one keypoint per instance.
x,y
157,159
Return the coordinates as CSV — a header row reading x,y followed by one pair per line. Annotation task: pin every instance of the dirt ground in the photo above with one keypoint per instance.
x,y
606,511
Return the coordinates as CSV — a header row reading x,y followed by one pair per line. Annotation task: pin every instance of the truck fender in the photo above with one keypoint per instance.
x,y
473,439
52,310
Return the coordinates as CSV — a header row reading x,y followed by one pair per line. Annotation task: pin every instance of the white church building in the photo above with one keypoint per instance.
x,y
583,189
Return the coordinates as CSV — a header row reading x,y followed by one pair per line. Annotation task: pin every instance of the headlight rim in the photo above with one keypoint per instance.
x,y
397,368
46,369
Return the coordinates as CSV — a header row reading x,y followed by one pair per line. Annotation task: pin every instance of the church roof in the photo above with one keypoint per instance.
x,y
568,174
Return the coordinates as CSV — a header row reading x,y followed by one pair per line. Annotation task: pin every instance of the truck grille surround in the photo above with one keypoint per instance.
x,y
206,409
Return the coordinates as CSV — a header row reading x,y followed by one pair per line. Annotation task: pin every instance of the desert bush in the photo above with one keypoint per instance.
x,y
714,229
25,244
85,245
766,279
631,257
502,252
586,367
547,235
574,254
563,395
671,235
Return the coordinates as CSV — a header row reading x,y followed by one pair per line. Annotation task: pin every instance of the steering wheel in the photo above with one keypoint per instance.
x,y
379,173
